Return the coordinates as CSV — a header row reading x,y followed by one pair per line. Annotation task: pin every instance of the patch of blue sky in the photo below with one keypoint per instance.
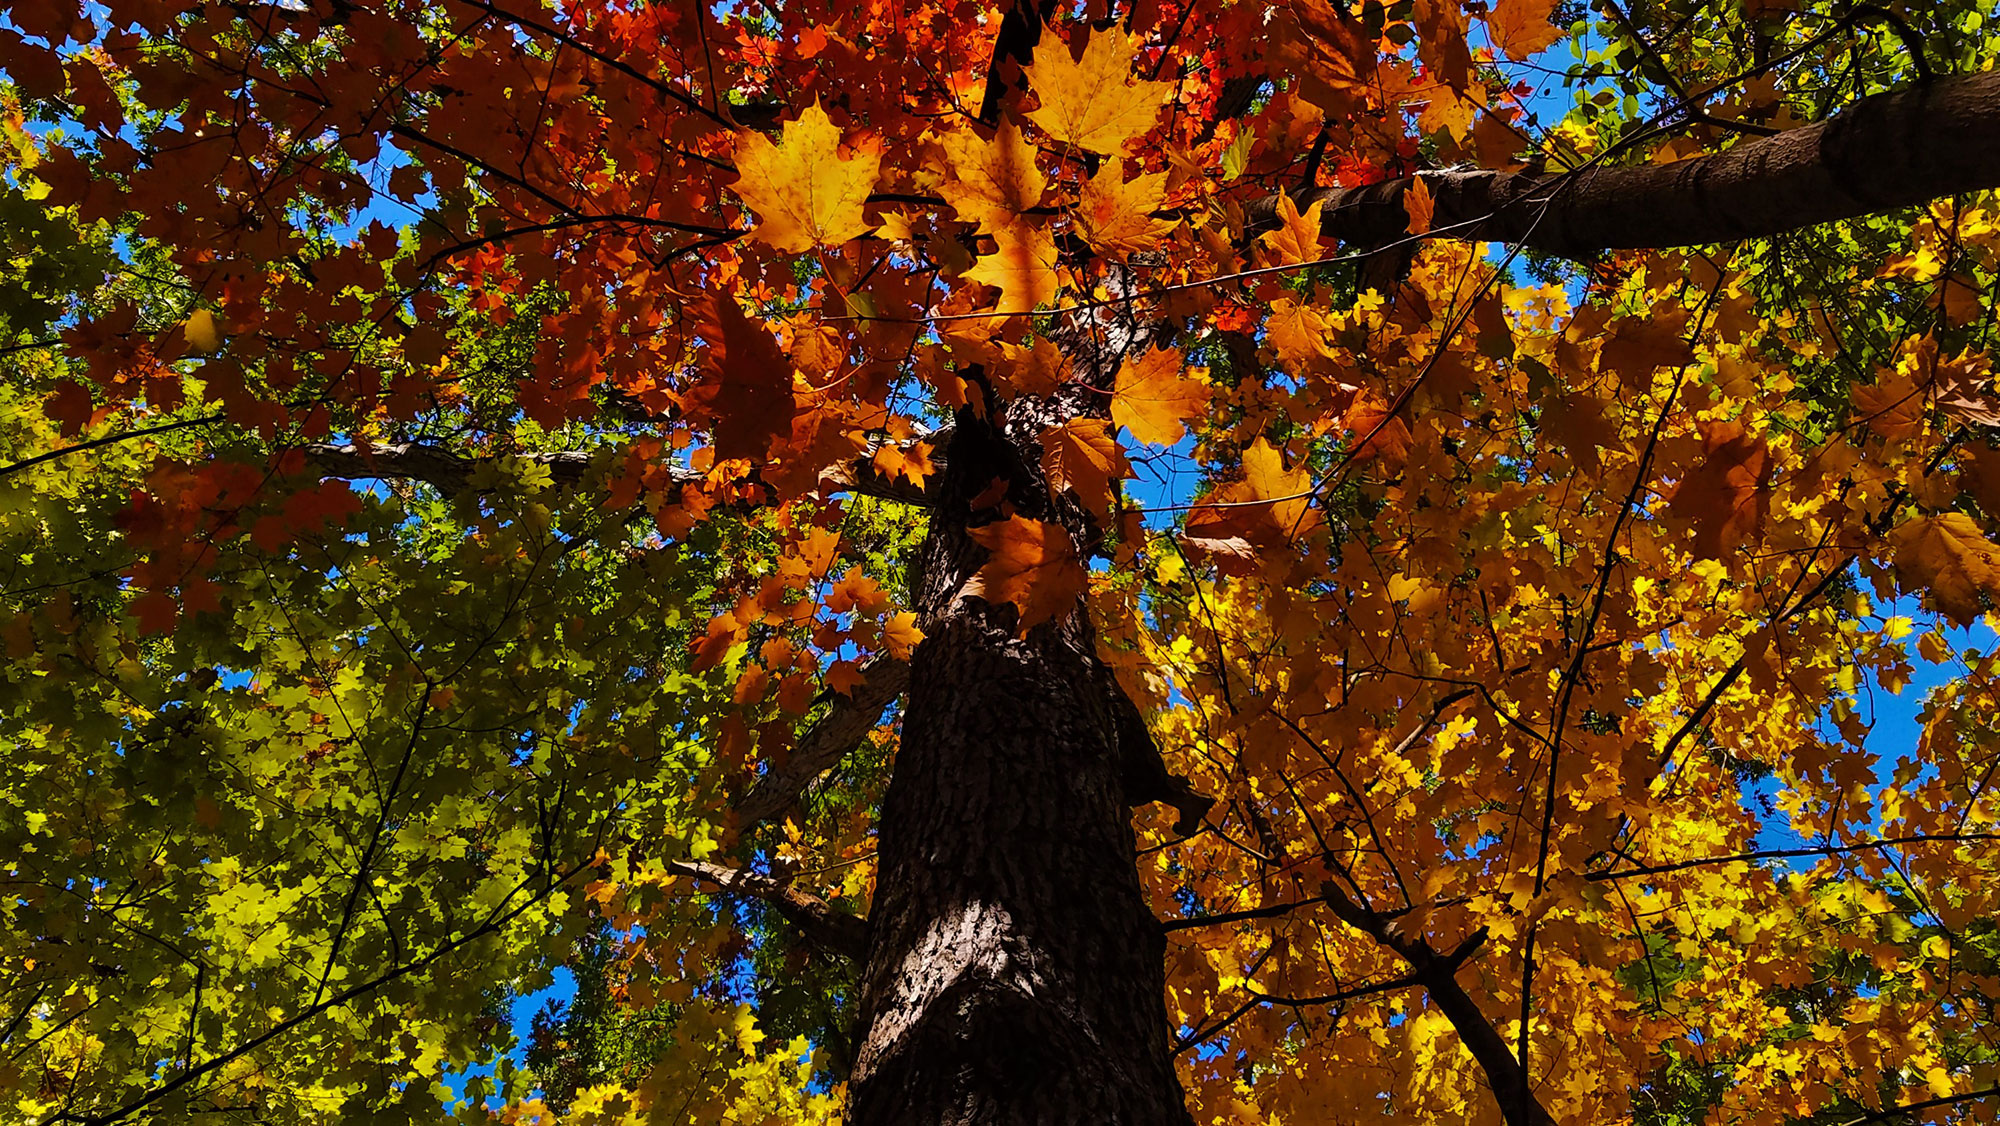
x,y
1892,718
521,1010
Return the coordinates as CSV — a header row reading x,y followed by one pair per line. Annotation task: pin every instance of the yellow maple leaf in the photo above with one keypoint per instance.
x,y
990,183
203,335
1948,553
1153,397
1116,216
1082,456
804,192
1033,565
1024,267
1092,102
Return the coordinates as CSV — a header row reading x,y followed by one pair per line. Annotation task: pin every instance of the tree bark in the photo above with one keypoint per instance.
x,y
1015,972
1891,150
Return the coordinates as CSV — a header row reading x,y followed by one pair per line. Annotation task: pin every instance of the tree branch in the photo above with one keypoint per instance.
x,y
1788,854
1886,151
1927,1104
838,933
827,741
449,472
437,466
1439,975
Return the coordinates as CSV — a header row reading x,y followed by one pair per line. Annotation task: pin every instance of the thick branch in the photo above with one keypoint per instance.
x,y
449,472
838,933
826,742
1891,150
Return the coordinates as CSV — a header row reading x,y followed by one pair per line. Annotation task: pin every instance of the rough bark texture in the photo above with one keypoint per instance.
x,y
1015,972
1887,151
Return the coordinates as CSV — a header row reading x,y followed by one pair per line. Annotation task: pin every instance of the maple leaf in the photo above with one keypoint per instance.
x,y
1092,102
911,462
1153,398
1640,346
1965,390
1521,27
1298,333
1032,564
202,333
991,183
1334,47
1948,554
1419,206
1892,406
749,391
1036,368
1297,238
1116,215
1378,434
845,676
856,591
1023,267
1083,456
1268,507
803,191
1727,494
901,634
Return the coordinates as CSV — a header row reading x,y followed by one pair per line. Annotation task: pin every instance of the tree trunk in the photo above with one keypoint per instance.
x,y
1015,973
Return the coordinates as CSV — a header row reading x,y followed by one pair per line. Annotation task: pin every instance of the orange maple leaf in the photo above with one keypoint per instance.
x,y
844,677
912,462
1153,397
1297,238
1522,27
1639,346
1092,102
1892,406
1948,554
1033,565
1082,456
1965,389
1419,206
1298,333
1035,368
749,393
856,592
804,192
1116,216
1269,507
1024,268
1727,494
991,183
900,634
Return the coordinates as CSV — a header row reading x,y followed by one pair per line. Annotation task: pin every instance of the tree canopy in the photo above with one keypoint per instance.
x,y
801,520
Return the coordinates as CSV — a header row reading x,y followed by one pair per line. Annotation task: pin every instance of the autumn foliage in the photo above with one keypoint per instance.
x,y
479,477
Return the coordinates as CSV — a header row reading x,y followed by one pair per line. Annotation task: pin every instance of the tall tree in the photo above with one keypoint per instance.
x,y
1156,562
